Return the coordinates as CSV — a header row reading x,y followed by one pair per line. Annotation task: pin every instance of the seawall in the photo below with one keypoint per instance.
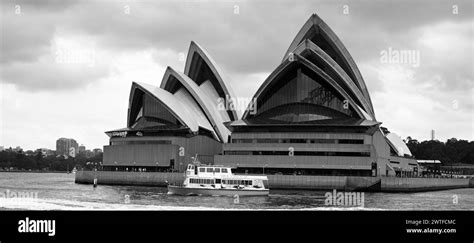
x,y
129,178
396,184
289,182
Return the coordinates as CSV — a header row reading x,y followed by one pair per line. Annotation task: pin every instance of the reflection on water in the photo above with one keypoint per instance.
x,y
58,191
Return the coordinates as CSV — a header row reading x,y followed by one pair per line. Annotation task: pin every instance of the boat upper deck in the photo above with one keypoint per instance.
x,y
216,171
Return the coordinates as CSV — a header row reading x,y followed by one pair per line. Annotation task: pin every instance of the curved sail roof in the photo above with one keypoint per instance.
x,y
397,144
320,58
201,68
325,90
316,30
185,112
174,81
316,83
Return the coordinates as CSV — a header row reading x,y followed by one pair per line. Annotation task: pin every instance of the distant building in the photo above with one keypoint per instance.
x,y
429,166
46,152
1,148
18,149
89,154
82,149
64,145
97,151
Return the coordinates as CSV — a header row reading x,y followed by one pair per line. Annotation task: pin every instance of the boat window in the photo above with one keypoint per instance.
x,y
209,169
224,170
217,170
202,169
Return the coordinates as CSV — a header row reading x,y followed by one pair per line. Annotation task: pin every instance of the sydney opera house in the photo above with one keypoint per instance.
x,y
311,116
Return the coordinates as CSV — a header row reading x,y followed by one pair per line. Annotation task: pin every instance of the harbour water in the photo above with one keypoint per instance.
x,y
57,191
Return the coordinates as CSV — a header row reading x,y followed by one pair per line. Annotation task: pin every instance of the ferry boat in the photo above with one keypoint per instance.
x,y
215,180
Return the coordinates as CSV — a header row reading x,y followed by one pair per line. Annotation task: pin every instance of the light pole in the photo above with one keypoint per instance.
x,y
156,166
265,165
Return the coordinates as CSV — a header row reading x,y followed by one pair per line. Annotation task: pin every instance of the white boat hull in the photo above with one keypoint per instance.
x,y
186,191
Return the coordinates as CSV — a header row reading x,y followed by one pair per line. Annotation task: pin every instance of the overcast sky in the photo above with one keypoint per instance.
x,y
66,66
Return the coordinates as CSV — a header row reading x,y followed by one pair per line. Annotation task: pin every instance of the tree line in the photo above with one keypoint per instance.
x,y
453,151
12,160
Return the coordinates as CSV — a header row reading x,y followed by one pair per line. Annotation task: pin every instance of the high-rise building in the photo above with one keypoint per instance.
x,y
64,145
82,149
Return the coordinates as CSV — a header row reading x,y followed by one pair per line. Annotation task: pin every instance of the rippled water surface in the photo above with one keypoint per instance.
x,y
56,191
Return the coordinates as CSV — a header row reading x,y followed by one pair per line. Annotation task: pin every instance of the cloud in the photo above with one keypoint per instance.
x,y
92,50
414,111
252,41
446,65
22,41
46,75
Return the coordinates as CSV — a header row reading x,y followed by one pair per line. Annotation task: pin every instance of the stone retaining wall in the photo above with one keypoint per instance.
x,y
290,182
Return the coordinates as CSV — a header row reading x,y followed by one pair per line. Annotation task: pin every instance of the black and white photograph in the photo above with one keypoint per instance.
x,y
208,119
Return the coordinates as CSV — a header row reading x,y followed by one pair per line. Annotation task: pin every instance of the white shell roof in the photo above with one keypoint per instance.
x,y
195,48
397,144
206,102
184,112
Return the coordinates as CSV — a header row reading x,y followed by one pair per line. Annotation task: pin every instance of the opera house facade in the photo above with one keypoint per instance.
x,y
312,116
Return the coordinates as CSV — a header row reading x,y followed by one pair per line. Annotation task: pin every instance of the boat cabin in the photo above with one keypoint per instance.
x,y
208,170
219,177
